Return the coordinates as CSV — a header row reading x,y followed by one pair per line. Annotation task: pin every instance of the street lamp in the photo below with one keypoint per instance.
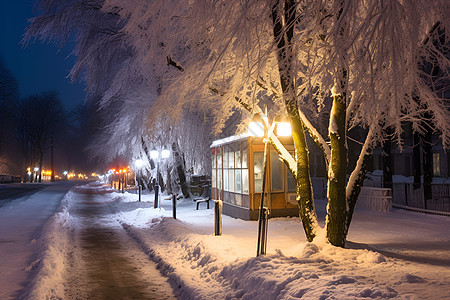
x,y
36,170
155,155
139,163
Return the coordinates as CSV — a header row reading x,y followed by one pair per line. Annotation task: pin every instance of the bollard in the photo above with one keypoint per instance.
x,y
155,202
123,186
174,205
265,223
140,192
218,217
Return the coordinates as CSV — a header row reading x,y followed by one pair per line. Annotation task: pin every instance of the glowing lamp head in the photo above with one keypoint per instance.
x,y
284,129
139,163
165,153
256,129
154,154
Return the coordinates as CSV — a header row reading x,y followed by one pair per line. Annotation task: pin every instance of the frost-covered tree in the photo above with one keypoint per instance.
x,y
221,56
118,84
40,124
365,55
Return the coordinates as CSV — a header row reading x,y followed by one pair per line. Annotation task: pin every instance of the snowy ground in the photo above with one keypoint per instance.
x,y
400,255
21,222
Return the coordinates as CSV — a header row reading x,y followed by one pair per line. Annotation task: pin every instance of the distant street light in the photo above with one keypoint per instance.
x,y
36,170
154,154
139,163
165,153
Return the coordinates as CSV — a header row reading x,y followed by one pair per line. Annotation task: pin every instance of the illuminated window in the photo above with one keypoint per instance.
x,y
219,179
237,158
258,158
237,180
231,180
226,150
225,179
213,178
290,182
245,181
276,167
219,160
231,159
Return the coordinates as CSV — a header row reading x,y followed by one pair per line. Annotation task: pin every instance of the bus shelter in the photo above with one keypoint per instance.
x,y
237,176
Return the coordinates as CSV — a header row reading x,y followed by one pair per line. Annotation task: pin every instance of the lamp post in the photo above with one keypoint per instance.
x,y
139,163
156,155
36,170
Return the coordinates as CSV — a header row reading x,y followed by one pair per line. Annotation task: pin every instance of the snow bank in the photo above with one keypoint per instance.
x,y
52,253
203,266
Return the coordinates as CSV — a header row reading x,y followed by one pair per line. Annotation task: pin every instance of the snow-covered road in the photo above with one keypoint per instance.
x,y
21,222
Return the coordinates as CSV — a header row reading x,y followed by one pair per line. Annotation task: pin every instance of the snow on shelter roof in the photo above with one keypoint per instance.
x,y
229,139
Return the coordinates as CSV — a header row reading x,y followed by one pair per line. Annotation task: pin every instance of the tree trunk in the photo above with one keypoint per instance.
x,y
387,161
357,176
427,163
416,157
41,160
337,202
283,38
179,166
304,190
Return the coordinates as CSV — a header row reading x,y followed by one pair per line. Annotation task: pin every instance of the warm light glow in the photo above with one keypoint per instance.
x,y
165,153
284,129
46,173
139,163
256,129
154,154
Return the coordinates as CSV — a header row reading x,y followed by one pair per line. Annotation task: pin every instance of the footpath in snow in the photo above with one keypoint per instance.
x,y
398,255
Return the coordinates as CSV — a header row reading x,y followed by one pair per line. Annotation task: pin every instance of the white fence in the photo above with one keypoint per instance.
x,y
378,199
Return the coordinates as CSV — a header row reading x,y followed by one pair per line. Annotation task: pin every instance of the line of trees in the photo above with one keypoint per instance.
x,y
358,63
40,125
30,128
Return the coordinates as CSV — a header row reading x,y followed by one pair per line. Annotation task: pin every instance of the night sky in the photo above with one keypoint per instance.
x,y
38,67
